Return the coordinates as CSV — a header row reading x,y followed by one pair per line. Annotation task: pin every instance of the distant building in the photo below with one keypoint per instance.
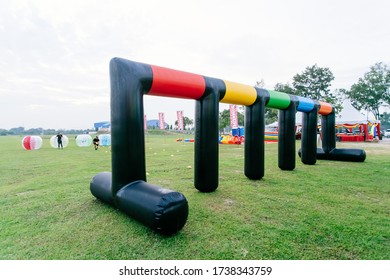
x,y
154,124
106,126
102,126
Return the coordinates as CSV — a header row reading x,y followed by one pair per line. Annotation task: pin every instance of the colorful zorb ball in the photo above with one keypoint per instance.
x,y
104,140
32,142
84,140
54,142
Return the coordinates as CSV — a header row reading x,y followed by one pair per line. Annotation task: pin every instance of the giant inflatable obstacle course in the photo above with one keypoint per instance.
x,y
165,210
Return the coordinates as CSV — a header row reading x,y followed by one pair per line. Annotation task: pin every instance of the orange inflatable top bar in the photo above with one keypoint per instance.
x,y
325,108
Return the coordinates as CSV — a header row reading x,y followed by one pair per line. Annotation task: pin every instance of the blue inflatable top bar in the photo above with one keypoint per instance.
x,y
305,104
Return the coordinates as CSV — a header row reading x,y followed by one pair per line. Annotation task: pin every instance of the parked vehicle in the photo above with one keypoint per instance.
x,y
387,133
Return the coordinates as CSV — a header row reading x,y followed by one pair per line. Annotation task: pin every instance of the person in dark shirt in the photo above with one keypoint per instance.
x,y
59,141
96,142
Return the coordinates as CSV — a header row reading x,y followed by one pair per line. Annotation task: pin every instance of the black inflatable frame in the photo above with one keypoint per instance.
x,y
164,210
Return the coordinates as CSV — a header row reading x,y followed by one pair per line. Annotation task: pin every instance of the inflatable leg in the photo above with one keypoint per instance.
x,y
127,118
206,139
309,137
328,131
254,137
286,138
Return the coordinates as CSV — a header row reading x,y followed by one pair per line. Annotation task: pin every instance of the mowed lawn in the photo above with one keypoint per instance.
x,y
332,210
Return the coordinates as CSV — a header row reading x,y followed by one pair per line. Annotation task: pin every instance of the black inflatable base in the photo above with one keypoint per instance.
x,y
320,153
353,155
160,209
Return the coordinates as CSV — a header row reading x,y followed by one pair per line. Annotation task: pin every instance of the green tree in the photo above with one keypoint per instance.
x,y
286,88
339,96
3,132
224,119
17,130
314,83
385,119
186,122
373,90
34,131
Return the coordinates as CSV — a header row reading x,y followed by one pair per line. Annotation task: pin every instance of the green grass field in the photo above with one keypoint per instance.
x,y
332,210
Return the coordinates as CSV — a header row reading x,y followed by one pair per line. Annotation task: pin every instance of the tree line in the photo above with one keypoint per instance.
x,y
39,131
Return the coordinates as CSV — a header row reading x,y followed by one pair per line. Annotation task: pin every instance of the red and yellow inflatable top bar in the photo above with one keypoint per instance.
x,y
179,84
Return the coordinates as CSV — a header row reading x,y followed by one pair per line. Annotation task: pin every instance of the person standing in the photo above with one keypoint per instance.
x,y
59,141
96,142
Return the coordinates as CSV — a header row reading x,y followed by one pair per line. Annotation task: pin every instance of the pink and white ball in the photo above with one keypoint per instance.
x,y
32,142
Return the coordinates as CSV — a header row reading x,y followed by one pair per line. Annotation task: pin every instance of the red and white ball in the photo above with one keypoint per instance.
x,y
32,142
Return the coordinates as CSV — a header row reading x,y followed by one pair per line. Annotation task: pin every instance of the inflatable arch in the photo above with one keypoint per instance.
x,y
164,210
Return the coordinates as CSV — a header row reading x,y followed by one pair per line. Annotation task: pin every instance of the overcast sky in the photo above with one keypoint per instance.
x,y
54,55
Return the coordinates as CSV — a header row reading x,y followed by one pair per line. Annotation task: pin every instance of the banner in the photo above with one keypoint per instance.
x,y
161,120
180,121
233,117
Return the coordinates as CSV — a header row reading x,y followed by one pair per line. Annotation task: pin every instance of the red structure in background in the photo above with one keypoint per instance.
x,y
353,126
359,132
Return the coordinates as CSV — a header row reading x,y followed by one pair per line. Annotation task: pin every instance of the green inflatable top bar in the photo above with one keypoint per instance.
x,y
278,100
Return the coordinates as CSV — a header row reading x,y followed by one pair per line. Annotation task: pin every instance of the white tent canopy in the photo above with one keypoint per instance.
x,y
298,118
350,115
